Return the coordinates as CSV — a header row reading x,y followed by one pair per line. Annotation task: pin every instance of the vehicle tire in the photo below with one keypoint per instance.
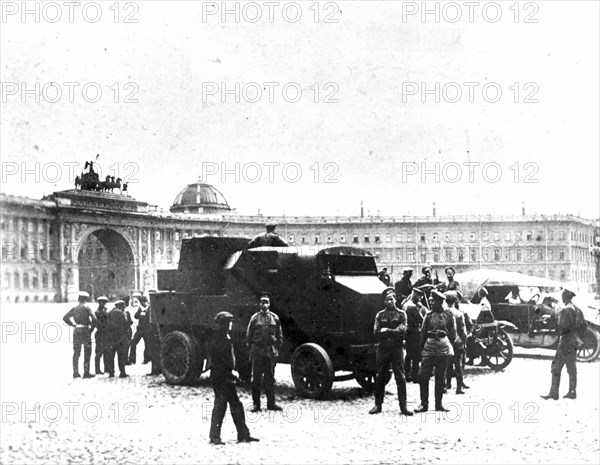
x,y
179,358
499,353
312,371
591,346
366,379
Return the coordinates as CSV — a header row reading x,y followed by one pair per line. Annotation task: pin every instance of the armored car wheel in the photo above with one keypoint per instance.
x,y
590,349
312,371
366,379
499,352
179,358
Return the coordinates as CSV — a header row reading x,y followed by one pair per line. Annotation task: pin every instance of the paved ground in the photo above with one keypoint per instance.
x,y
47,417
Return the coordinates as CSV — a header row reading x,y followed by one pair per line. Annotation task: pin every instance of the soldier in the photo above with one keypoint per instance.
x,y
452,284
83,320
132,305
264,338
384,277
415,311
426,282
389,329
455,365
143,316
152,342
404,286
224,380
437,335
268,239
566,352
101,334
119,339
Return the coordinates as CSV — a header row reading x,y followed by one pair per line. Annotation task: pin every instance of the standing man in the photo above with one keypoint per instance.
x,y
415,311
224,378
427,283
101,335
452,284
264,338
455,365
143,316
404,286
119,339
389,329
566,352
152,342
83,320
437,335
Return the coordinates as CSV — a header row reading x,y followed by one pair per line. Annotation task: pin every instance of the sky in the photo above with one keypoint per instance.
x,y
311,108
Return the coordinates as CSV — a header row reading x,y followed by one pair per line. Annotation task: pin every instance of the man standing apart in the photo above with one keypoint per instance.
x,y
566,352
223,378
119,331
264,338
415,311
404,286
83,320
437,335
101,334
389,329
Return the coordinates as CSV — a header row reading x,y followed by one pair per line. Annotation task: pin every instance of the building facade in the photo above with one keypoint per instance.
x,y
111,244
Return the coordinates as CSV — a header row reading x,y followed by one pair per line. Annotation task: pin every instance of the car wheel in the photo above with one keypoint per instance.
x,y
179,359
591,346
499,352
312,371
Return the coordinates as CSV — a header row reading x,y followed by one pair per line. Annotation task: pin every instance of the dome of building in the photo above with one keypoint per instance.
x,y
200,198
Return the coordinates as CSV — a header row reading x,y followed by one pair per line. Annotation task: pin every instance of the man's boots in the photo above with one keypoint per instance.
x,y
572,394
402,399
553,394
98,370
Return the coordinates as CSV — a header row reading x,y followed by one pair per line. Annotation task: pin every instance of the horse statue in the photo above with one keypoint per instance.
x,y
77,182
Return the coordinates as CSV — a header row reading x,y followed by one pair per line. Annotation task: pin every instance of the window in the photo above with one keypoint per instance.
x,y
366,239
436,257
473,253
17,278
25,280
177,235
6,279
35,280
355,239
55,280
304,239
497,255
410,238
388,238
31,226
485,236
317,238
377,239
447,236
399,255
377,255
496,236
158,235
461,254
329,238
423,257
410,256
562,255
518,255
507,236
291,238
449,255
517,236
435,236
473,236
342,238
422,237
529,235
460,236
398,237
563,235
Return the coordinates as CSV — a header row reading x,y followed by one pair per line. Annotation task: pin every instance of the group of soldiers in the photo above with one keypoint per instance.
x,y
430,325
113,335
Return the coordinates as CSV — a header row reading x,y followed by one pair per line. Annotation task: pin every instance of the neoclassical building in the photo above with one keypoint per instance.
x,y
111,244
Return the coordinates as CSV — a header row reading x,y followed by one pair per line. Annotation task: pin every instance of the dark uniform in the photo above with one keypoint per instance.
x,y
390,353
403,287
267,239
223,380
119,330
384,277
85,321
101,336
437,335
414,316
426,280
152,342
264,338
566,352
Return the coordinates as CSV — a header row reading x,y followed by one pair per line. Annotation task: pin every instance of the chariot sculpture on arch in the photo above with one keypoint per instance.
x,y
90,180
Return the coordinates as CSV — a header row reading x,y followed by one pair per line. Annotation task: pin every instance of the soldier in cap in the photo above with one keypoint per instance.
x,y
101,334
264,338
415,311
224,377
566,352
455,364
404,286
452,284
119,330
426,282
83,320
142,314
437,335
267,239
389,329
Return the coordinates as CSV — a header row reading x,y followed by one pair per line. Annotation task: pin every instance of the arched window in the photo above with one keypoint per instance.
x,y
17,278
